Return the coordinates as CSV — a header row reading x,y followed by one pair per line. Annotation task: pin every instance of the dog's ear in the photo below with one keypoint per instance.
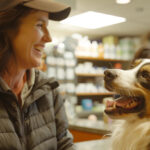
x,y
143,76
135,63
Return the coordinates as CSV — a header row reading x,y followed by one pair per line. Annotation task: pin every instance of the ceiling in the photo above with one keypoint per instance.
x,y
137,14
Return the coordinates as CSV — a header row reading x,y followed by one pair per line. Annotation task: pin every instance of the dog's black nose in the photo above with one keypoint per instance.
x,y
109,75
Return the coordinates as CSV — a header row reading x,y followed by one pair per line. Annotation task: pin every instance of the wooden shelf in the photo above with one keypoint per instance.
x,y
99,59
95,94
89,75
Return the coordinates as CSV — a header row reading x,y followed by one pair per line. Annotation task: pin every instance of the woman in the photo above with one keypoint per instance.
x,y
32,115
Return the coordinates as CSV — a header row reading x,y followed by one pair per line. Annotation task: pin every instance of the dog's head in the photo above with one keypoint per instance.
x,y
133,86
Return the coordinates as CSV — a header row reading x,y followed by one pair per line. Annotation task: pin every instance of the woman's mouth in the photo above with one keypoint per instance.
x,y
38,51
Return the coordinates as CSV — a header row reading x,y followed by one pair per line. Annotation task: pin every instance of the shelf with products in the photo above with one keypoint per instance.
x,y
81,73
100,59
89,75
98,110
108,48
91,64
60,64
96,94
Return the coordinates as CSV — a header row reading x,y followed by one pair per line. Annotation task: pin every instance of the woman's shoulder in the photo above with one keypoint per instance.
x,y
41,78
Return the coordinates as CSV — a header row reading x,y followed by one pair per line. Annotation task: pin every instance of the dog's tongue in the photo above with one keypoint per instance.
x,y
124,104
120,102
123,101
110,103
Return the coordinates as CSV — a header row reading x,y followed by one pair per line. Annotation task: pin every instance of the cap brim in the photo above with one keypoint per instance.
x,y
57,11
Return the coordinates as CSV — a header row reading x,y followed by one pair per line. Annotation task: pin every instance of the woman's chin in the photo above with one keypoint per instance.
x,y
36,63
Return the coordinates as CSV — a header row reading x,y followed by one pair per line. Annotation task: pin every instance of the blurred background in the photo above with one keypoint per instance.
x,y
83,47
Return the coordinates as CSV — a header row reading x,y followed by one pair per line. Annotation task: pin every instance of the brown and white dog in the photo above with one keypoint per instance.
x,y
132,108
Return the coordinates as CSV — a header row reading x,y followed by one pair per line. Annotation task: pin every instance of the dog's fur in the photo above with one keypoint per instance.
x,y
132,132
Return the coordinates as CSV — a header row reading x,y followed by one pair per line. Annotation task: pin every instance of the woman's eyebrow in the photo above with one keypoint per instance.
x,y
43,20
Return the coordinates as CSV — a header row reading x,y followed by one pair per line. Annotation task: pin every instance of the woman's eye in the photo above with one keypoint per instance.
x,y
40,25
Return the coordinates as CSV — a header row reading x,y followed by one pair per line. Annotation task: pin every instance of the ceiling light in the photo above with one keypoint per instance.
x,y
93,20
123,1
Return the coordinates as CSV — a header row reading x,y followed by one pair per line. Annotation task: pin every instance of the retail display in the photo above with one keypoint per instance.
x,y
93,58
60,64
90,84
79,64
109,47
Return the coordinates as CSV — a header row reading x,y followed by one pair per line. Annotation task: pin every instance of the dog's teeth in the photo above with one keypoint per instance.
x,y
131,104
114,105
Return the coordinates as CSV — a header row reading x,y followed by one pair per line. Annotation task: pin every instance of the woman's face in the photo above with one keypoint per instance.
x,y
28,43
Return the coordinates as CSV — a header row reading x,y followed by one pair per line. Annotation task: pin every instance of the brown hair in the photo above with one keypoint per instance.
x,y
9,21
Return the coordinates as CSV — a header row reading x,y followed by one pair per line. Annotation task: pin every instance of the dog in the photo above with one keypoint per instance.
x,y
132,108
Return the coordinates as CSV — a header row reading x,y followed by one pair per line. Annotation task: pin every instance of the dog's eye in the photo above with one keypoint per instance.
x,y
145,74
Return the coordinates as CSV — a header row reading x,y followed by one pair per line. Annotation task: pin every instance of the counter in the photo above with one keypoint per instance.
x,y
84,129
90,126
94,145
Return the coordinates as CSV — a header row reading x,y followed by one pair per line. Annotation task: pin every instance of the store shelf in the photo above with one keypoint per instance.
x,y
89,75
99,59
85,114
95,94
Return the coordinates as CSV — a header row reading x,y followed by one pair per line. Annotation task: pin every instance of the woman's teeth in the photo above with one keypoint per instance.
x,y
39,49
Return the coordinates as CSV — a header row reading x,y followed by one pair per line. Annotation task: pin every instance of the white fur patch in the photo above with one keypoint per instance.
x,y
133,135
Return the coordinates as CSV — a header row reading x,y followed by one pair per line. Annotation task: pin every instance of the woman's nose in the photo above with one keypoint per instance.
x,y
47,37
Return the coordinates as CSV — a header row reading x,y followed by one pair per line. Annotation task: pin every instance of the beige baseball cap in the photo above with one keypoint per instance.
x,y
57,11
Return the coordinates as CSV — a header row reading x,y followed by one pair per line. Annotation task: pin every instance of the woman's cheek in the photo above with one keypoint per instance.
x,y
39,33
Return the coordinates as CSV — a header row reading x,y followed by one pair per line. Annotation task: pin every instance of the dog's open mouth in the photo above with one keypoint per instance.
x,y
125,104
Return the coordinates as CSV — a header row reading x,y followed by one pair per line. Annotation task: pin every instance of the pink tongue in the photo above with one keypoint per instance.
x,y
120,102
109,103
123,101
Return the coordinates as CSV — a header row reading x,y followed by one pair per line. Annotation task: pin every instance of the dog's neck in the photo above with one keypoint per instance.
x,y
143,115
131,134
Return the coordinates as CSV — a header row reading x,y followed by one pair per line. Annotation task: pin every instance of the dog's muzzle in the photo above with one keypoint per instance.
x,y
127,102
110,75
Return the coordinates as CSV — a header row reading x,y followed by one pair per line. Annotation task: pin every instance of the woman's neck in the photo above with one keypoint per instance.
x,y
15,76
15,80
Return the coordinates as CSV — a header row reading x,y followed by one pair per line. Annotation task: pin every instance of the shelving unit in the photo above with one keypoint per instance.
x,y
96,94
89,75
96,77
100,59
72,69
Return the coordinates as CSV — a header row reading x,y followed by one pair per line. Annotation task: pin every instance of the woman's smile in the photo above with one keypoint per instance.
x,y
29,43
38,50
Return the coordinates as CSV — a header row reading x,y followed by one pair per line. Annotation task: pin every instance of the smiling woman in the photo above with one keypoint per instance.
x,y
9,23
30,102
28,43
